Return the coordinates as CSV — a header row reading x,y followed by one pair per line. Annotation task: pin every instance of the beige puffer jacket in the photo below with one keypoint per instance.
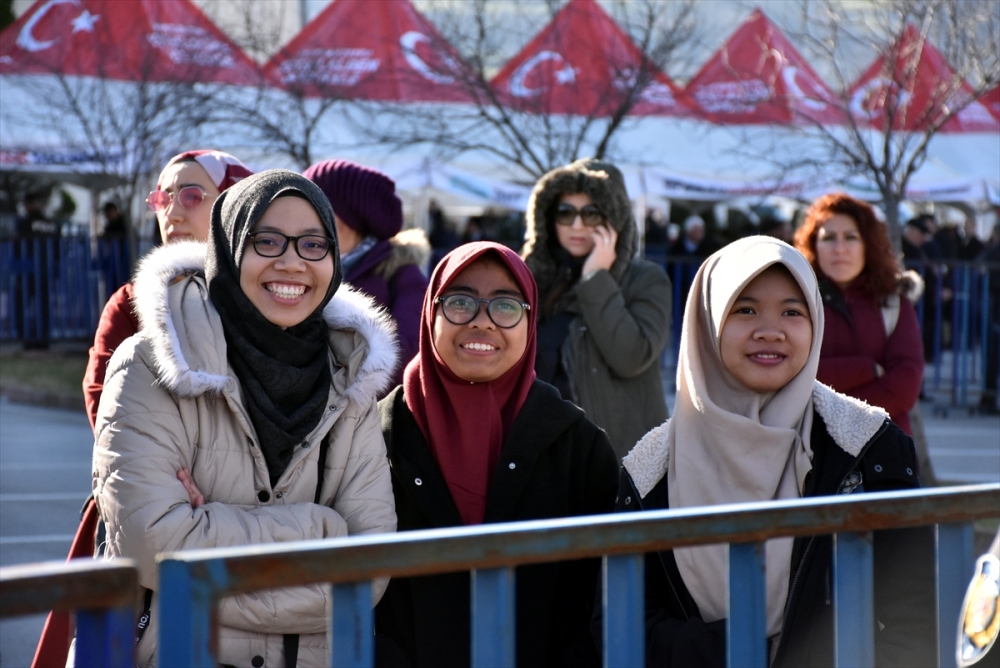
x,y
171,401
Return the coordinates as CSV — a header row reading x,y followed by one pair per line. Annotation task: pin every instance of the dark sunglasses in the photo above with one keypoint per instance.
x,y
189,197
505,312
590,215
311,247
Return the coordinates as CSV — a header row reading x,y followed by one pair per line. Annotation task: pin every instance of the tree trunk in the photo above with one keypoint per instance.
x,y
891,202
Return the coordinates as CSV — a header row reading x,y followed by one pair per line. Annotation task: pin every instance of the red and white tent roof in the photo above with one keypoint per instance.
x,y
991,100
915,78
582,63
758,77
358,49
139,40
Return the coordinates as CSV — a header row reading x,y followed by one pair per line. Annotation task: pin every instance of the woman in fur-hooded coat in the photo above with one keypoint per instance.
x,y
220,428
600,332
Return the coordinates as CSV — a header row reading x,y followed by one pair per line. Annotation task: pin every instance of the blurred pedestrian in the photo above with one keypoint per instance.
x,y
185,192
379,259
604,316
244,413
991,257
115,227
474,438
443,237
687,254
871,346
752,424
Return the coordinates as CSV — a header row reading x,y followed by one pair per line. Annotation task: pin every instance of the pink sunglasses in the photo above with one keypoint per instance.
x,y
188,196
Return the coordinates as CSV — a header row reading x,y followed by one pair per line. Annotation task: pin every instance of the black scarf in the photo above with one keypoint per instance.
x,y
284,373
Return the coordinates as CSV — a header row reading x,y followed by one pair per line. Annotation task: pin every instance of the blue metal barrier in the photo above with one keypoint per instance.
x,y
103,595
191,583
55,288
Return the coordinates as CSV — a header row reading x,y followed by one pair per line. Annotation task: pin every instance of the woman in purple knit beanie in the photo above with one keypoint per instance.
x,y
377,257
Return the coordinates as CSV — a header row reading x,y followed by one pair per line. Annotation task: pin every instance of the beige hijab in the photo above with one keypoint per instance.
x,y
728,444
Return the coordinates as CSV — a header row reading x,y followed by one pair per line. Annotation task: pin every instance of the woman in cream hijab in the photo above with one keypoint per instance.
x,y
752,424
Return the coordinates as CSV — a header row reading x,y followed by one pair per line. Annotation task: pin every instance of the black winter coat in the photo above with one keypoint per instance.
x,y
555,463
903,571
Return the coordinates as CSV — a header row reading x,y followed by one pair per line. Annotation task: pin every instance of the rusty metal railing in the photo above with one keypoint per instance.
x,y
191,583
102,593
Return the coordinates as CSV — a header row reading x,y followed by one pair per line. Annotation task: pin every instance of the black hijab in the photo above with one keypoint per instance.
x,y
284,373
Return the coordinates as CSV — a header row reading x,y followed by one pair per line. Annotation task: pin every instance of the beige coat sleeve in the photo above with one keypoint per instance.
x,y
141,445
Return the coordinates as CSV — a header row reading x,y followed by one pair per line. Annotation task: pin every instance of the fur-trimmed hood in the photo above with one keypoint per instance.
x,y
408,247
605,185
170,281
850,422
911,285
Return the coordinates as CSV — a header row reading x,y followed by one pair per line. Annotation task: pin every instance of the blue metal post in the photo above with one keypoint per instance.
x,y
185,617
623,599
105,638
853,592
353,637
954,568
984,328
492,618
746,626
959,335
937,333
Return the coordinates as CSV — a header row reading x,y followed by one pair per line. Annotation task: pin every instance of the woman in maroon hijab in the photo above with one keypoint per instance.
x,y
473,438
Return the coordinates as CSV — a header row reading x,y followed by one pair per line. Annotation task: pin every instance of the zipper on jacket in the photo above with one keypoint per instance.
x,y
809,545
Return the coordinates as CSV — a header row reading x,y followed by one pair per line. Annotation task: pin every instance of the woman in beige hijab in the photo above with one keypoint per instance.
x,y
751,423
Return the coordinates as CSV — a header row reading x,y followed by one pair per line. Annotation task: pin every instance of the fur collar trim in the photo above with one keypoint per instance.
x,y
849,421
348,310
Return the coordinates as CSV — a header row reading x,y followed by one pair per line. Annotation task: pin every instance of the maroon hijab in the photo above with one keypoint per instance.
x,y
466,423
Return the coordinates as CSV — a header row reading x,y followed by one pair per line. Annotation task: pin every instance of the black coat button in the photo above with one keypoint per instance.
x,y
263,497
258,660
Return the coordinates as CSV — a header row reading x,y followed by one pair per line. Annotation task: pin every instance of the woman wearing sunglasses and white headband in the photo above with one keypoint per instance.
x,y
474,438
244,411
182,202
604,316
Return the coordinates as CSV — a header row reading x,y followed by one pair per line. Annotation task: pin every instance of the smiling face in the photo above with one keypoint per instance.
x,y
479,351
577,239
176,222
286,289
840,250
767,334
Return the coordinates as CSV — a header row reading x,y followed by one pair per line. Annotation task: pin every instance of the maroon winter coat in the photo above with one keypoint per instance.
x,y
854,340
118,322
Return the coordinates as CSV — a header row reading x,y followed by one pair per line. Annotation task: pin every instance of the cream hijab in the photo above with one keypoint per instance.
x,y
728,444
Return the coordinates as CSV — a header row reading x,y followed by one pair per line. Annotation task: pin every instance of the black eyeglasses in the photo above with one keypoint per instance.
x,y
505,312
310,247
590,215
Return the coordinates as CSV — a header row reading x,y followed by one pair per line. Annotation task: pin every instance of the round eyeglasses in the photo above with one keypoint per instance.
x,y
312,247
505,312
189,197
590,215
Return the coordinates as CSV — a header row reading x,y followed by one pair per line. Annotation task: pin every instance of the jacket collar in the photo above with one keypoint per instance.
x,y
850,422
185,371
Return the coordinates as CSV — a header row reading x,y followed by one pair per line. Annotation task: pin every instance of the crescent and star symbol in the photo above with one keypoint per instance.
x,y
563,76
409,41
26,40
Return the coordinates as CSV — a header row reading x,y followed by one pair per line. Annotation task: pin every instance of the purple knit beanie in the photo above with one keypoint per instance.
x,y
363,198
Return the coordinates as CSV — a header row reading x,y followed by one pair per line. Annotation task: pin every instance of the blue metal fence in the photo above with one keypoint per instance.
x,y
55,287
191,583
103,595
